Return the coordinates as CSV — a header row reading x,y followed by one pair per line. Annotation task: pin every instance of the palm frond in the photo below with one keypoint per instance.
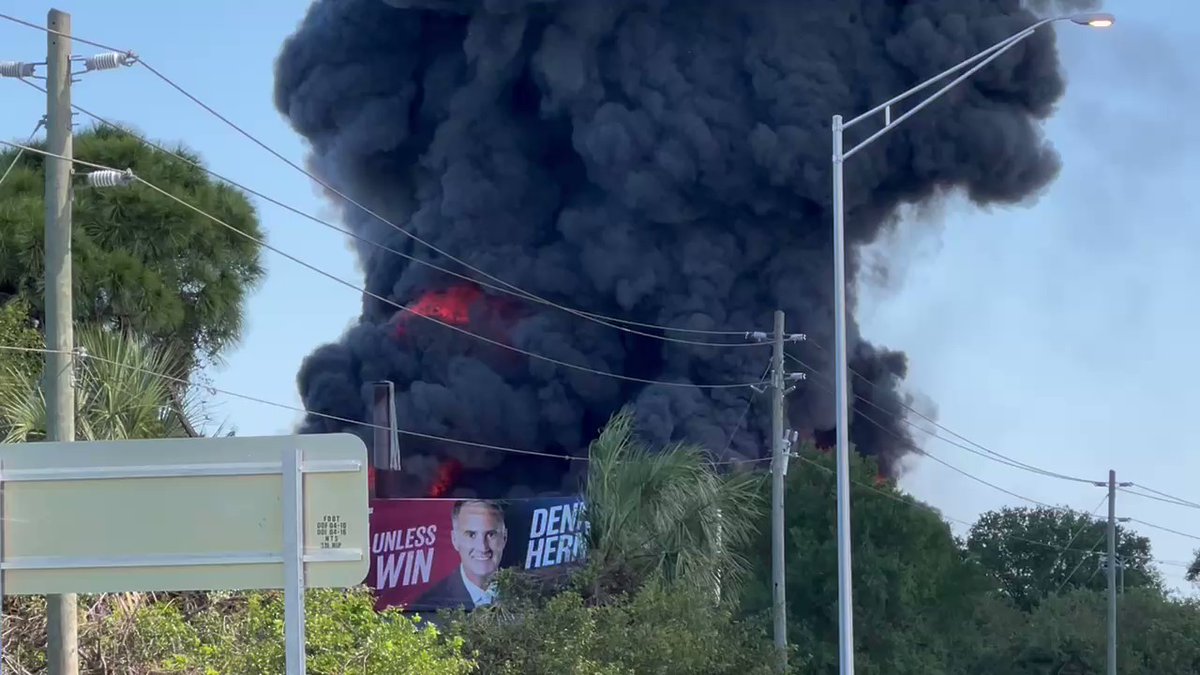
x,y
667,512
119,393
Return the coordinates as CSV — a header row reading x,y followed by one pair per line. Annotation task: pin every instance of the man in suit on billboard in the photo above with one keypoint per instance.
x,y
478,534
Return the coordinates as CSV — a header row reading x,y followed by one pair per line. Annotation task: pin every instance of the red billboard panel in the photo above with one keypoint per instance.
x,y
430,554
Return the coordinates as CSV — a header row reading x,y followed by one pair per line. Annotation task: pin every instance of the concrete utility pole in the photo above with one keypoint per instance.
x,y
1112,572
61,610
778,464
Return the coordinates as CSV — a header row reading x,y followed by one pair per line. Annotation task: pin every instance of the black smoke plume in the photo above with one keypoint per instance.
x,y
665,161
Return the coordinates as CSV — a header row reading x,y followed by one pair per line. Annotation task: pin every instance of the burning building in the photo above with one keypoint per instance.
x,y
662,161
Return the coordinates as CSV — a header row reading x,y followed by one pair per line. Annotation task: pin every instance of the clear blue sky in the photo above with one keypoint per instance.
x,y
1059,333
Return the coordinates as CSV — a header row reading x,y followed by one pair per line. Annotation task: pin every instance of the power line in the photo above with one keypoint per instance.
x,y
957,470
325,184
486,446
1082,559
1162,496
17,157
1171,501
284,406
404,308
994,455
599,319
336,418
911,502
1090,523
745,411
46,29
1168,498
915,504
858,411
1165,529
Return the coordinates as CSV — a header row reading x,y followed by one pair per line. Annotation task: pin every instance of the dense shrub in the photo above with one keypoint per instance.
x,y
660,629
226,634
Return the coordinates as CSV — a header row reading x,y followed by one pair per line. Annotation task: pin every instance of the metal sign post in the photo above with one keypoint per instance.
x,y
293,561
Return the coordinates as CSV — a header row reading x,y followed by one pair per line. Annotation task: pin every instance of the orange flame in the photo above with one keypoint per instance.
x,y
447,474
452,306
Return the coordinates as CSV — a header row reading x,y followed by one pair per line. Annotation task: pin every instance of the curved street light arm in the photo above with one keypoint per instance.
x,y
993,54
1001,45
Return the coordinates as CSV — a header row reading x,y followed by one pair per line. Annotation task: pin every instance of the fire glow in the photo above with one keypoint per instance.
x,y
452,306
446,475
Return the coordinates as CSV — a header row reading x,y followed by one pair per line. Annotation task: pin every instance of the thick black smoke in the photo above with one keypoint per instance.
x,y
665,161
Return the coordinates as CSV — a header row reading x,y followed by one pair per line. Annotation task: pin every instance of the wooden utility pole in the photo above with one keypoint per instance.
x,y
778,464
61,610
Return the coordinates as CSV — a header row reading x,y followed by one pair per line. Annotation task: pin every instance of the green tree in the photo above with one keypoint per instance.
x,y
17,331
235,634
117,392
666,629
666,513
916,597
1067,633
658,591
1031,553
142,263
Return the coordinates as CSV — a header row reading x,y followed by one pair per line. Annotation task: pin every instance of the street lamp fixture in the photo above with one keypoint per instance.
x,y
1095,19
841,368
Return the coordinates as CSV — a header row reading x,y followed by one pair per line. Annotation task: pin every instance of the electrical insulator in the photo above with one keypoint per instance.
x,y
107,178
108,61
15,69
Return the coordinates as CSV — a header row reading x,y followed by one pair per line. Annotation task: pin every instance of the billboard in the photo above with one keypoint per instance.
x,y
430,554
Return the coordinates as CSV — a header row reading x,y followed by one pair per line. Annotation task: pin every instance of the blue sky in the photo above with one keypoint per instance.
x,y
1058,332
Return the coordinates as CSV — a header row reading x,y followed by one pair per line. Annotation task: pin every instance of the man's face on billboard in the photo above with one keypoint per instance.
x,y
479,537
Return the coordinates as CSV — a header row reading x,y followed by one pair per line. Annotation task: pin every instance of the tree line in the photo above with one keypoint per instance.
x,y
677,579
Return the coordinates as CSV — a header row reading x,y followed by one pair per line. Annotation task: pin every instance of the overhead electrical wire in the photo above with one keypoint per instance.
x,y
990,455
1164,529
957,470
1004,459
1094,519
1160,496
600,318
367,210
1090,523
595,318
1082,559
336,418
74,38
404,308
915,504
17,157
997,456
745,411
918,505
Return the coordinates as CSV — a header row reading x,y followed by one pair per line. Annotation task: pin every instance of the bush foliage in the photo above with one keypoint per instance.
x,y
228,634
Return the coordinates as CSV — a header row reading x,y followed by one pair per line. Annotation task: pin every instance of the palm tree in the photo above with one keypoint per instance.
x,y
666,514
120,392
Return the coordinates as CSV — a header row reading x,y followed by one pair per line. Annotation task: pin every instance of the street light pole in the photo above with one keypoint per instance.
x,y
841,387
841,363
